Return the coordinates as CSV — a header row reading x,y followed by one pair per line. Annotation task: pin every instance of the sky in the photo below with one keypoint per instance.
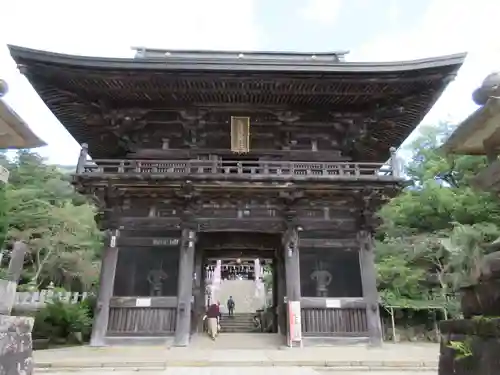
x,y
372,30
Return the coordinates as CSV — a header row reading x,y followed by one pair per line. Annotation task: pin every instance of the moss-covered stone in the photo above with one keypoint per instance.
x,y
481,299
483,358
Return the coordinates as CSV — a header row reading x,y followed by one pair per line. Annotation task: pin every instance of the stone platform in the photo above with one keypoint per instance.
x,y
247,371
400,357
16,354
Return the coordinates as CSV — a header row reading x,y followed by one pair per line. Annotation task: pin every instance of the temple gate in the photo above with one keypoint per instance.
x,y
203,155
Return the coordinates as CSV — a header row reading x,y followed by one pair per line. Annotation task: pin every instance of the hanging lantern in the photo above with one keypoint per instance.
x,y
240,134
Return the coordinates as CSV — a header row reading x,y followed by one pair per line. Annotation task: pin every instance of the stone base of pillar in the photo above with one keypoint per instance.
x,y
16,345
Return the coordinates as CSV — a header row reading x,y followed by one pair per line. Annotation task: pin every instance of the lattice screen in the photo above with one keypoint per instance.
x,y
240,134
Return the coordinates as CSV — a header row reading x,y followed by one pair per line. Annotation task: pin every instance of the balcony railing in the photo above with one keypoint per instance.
x,y
240,169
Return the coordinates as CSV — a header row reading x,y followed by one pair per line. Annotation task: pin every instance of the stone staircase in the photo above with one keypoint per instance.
x,y
238,323
248,295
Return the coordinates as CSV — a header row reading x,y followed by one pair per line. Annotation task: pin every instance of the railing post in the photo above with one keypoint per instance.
x,y
396,172
82,159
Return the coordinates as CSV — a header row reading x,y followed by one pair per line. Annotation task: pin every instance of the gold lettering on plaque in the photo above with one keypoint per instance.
x,y
240,134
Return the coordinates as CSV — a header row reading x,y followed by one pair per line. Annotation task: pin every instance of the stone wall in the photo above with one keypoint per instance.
x,y
471,346
16,350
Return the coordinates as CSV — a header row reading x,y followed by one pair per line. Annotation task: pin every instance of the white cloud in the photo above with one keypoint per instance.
x,y
110,28
322,12
449,26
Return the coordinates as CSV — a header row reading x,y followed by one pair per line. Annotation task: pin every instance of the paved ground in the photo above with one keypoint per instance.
x,y
204,357
401,353
246,371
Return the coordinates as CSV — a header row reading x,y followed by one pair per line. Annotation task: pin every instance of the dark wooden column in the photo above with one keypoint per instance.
x,y
185,288
276,303
369,281
198,291
106,283
292,265
281,292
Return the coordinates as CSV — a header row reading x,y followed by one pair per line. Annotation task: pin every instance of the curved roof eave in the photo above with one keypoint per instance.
x,y
21,54
16,134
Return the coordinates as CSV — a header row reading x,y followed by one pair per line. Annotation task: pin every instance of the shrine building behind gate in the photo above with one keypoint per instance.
x,y
211,155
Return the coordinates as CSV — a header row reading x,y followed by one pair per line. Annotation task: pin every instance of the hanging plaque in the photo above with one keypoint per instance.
x,y
240,134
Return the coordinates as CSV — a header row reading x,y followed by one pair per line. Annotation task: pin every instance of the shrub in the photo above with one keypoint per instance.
x,y
90,303
61,321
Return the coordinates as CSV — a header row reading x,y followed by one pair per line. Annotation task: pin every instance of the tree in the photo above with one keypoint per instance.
x,y
57,223
438,226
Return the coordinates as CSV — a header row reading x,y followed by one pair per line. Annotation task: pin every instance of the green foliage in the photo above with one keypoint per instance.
x,y
268,277
435,233
56,222
61,320
462,349
3,214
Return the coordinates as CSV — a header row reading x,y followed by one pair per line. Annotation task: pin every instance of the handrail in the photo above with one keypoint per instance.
x,y
241,168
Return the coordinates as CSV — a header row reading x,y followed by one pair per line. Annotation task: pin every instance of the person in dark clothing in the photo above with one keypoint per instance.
x,y
230,305
213,316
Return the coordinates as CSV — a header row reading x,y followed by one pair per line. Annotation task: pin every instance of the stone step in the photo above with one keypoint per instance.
x,y
237,318
238,330
236,322
248,295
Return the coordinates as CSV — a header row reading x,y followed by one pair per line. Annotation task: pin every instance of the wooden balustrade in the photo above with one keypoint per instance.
x,y
327,322
283,169
128,318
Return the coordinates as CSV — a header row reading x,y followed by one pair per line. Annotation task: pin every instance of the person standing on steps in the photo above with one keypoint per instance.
x,y
230,305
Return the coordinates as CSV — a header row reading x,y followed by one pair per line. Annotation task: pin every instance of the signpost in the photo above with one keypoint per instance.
x,y
295,323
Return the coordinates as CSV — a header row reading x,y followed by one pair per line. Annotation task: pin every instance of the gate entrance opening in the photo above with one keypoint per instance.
x,y
243,266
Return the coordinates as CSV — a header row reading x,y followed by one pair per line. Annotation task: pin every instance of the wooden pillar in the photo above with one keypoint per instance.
x,y
292,269
292,265
276,300
369,282
198,291
185,288
106,283
281,293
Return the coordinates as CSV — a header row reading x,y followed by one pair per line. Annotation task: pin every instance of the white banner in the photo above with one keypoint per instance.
x,y
295,322
143,302
333,304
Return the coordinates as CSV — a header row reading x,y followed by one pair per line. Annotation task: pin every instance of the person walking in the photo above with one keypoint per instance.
x,y
230,305
213,317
